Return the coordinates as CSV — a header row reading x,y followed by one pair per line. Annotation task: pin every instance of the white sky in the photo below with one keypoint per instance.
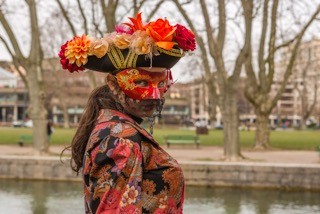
x,y
18,18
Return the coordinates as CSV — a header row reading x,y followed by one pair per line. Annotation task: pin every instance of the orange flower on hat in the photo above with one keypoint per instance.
x,y
162,33
136,23
122,41
98,47
77,50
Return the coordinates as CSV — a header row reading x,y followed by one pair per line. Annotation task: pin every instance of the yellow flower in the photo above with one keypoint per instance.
x,y
129,196
141,42
122,41
77,50
98,47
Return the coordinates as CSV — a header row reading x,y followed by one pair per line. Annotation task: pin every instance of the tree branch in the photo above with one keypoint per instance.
x,y
137,9
293,56
23,76
272,42
213,46
11,36
286,44
7,46
251,89
262,70
65,15
245,51
105,13
200,42
109,13
85,26
187,2
16,61
222,25
36,54
96,25
155,9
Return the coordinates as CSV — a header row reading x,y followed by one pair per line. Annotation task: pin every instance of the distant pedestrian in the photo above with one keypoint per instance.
x,y
50,130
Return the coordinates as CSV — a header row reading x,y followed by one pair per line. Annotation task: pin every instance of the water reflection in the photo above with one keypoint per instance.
x,y
250,201
40,197
27,197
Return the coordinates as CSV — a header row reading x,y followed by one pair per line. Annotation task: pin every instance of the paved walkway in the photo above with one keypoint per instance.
x,y
184,153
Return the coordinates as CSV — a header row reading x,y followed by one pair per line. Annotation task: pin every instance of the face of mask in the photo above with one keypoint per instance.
x,y
140,84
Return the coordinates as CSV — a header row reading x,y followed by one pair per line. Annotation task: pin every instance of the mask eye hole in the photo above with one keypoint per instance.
x,y
141,83
161,84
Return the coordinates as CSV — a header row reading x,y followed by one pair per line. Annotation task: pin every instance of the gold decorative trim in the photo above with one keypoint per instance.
x,y
172,52
119,62
116,57
131,60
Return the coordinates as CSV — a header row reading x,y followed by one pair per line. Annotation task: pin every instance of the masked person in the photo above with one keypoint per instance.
x,y
124,169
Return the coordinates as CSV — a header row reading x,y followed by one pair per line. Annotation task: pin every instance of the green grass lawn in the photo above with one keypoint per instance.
x,y
291,140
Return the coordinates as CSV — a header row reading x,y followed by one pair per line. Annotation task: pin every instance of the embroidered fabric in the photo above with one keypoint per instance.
x,y
126,170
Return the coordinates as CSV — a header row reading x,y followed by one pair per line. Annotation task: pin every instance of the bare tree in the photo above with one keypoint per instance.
x,y
109,13
54,68
34,80
52,65
259,82
92,79
209,76
307,83
227,81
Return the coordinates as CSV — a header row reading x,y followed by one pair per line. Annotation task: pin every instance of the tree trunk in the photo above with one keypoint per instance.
x,y
66,122
37,110
303,123
261,140
62,98
230,126
92,80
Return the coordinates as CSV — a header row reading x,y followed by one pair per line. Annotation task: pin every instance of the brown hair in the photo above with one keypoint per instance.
x,y
100,98
108,96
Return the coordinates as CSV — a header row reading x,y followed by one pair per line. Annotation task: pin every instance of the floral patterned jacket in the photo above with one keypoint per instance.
x,y
126,171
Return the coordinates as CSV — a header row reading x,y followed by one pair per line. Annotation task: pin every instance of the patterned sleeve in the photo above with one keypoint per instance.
x,y
116,176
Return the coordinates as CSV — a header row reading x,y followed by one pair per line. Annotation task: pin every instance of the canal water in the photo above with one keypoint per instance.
x,y
44,197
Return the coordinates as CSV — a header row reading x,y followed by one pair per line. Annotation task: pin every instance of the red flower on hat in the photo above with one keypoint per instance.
x,y
65,62
185,38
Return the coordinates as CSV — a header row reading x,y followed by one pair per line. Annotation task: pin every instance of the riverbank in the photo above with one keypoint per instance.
x,y
198,173
202,167
204,153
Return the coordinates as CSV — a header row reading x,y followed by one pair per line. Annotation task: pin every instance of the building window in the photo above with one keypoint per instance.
x,y
197,92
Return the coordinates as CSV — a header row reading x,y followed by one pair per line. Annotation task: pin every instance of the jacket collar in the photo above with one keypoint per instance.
x,y
107,115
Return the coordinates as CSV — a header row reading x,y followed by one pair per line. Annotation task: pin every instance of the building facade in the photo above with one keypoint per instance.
x,y
13,98
304,82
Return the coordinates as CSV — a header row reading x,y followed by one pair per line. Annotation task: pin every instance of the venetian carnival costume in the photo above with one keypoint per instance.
x,y
124,168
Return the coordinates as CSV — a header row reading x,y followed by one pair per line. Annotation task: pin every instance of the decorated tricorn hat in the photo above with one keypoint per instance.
x,y
155,44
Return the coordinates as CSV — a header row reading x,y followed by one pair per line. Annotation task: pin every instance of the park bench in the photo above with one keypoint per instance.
x,y
318,148
181,139
25,139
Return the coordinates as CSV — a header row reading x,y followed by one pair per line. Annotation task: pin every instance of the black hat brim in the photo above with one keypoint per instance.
x,y
122,59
